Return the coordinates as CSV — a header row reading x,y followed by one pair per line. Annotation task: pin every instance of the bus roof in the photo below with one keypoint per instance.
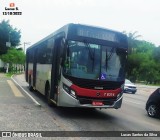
x,y
64,30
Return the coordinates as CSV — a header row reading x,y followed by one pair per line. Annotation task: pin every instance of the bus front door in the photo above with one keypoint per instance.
x,y
55,75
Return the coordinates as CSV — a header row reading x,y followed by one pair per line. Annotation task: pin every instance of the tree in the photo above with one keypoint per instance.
x,y
150,72
156,54
132,41
145,47
13,56
8,34
144,62
133,65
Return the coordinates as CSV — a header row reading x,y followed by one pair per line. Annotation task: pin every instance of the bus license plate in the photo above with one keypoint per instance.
x,y
97,103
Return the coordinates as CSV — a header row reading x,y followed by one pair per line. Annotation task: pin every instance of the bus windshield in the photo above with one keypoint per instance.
x,y
93,61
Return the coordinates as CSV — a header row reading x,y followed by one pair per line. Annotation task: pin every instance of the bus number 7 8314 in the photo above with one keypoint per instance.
x,y
79,66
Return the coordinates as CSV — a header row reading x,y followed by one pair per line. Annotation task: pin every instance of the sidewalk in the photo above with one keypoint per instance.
x,y
3,78
18,112
2,75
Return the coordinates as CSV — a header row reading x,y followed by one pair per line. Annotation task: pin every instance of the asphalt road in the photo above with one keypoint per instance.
x,y
20,113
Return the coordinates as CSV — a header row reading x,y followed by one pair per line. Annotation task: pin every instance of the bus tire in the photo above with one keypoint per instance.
x,y
47,94
30,86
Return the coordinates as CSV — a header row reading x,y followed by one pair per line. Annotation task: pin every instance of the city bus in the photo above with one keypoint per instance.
x,y
79,66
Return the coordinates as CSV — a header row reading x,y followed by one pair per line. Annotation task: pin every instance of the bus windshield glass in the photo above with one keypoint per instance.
x,y
93,61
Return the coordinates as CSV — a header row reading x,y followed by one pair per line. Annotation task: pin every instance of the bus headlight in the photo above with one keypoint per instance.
x,y
73,93
122,87
119,95
69,90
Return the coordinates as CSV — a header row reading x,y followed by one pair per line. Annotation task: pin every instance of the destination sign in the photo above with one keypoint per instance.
x,y
97,34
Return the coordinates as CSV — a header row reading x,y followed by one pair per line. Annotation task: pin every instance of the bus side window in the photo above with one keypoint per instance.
x,y
44,54
48,58
40,56
30,57
49,49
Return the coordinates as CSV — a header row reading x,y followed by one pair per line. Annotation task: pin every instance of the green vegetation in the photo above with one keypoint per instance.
x,y
15,58
143,61
9,74
10,54
8,34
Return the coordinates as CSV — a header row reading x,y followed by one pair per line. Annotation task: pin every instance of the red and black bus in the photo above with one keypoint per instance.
x,y
79,66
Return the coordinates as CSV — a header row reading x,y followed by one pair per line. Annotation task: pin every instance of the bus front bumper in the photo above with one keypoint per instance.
x,y
67,100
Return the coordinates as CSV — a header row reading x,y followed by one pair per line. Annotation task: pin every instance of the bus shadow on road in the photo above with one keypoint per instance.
x,y
75,113
82,113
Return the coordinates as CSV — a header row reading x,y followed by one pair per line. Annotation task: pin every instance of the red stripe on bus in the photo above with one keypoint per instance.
x,y
96,93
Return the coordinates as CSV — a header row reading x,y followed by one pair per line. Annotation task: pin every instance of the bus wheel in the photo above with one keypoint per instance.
x,y
47,94
30,88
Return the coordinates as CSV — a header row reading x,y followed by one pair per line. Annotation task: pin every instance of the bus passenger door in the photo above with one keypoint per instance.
x,y
55,76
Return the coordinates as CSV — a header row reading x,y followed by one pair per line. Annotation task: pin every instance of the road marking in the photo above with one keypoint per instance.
x,y
15,90
34,100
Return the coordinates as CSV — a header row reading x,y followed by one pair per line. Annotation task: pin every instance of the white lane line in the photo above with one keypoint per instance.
x,y
34,100
15,90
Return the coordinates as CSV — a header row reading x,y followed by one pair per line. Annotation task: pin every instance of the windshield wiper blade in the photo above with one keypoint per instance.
x,y
111,53
109,56
89,49
91,54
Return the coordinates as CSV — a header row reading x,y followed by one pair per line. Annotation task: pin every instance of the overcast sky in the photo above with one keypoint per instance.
x,y
41,17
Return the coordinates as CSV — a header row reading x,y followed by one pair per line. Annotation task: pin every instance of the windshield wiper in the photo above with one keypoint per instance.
x,y
91,54
89,49
110,55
